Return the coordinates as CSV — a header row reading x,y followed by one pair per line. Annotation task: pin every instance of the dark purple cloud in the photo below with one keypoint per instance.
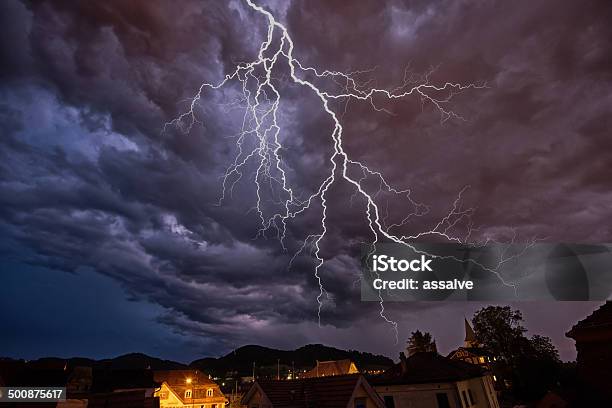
x,y
88,180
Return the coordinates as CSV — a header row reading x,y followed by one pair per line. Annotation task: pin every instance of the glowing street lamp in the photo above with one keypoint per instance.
x,y
188,381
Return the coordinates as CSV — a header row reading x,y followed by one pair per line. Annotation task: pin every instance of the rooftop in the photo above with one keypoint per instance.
x,y
477,351
320,392
331,368
428,367
183,377
599,319
181,381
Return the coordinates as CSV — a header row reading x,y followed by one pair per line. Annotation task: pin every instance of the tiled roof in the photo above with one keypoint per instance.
x,y
477,351
429,367
330,368
600,318
321,392
179,377
199,385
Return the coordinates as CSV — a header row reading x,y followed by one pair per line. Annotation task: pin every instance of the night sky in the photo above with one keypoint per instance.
x,y
111,236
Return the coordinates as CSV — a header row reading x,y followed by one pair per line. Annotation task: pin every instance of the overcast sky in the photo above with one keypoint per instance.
x,y
111,237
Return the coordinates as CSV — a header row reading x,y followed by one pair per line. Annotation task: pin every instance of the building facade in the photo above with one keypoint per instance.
x,y
188,389
429,380
472,352
593,337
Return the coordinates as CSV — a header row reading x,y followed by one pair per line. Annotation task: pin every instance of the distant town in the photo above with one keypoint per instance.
x,y
496,366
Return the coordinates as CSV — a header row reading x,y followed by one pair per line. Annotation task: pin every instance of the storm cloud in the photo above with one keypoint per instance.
x,y
89,181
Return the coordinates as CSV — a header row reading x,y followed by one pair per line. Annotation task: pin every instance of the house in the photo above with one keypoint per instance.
x,y
188,388
338,391
331,368
429,380
593,337
472,352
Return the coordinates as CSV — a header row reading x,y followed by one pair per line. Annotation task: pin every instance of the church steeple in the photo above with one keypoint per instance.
x,y
470,336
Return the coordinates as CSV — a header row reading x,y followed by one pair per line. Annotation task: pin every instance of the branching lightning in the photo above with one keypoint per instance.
x,y
258,143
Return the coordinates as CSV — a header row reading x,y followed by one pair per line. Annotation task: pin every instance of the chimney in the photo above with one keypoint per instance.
x,y
403,362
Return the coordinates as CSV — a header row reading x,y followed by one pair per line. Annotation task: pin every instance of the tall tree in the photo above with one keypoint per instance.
x,y
532,364
420,342
499,330
541,348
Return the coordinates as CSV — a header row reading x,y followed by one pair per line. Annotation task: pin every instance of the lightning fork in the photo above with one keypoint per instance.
x,y
258,142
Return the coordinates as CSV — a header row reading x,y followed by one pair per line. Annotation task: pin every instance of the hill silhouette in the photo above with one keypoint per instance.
x,y
240,361
131,361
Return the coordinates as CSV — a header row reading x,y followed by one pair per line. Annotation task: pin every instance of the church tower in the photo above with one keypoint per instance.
x,y
470,336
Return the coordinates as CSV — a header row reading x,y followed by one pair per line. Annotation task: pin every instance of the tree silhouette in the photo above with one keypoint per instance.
x,y
499,330
420,342
531,364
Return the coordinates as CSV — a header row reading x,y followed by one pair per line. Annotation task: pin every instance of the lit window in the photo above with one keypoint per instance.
x,y
209,392
188,394
482,360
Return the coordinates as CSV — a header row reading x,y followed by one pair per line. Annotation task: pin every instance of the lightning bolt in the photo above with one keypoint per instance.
x,y
258,143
